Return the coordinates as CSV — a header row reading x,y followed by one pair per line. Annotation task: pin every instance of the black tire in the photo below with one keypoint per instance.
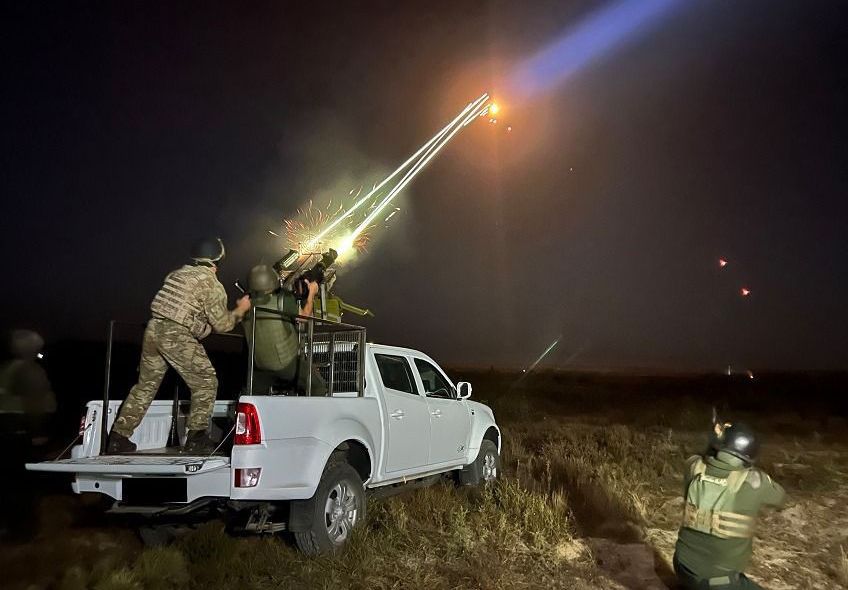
x,y
485,469
339,506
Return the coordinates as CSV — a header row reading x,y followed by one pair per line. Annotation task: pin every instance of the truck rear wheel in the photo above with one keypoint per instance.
x,y
339,506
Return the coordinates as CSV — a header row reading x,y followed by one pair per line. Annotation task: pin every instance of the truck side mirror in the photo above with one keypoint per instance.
x,y
463,390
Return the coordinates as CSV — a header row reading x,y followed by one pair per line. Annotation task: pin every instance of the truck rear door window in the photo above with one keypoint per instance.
x,y
395,373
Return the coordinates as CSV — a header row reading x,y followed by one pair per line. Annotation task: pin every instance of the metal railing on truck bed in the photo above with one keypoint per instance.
x,y
327,350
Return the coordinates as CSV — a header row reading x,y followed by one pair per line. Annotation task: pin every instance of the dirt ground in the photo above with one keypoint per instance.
x,y
590,498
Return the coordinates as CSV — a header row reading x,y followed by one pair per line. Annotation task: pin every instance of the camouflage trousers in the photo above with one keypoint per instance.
x,y
168,343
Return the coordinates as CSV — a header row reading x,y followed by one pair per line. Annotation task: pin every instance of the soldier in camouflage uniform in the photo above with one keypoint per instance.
x,y
189,306
723,493
277,347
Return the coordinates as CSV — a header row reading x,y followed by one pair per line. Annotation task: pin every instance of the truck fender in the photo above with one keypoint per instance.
x,y
301,512
480,431
345,434
353,449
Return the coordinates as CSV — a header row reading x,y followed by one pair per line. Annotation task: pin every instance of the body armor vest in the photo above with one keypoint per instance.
x,y
709,502
276,338
179,300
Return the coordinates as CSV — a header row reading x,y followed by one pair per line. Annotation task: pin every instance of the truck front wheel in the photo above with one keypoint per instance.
x,y
486,467
339,506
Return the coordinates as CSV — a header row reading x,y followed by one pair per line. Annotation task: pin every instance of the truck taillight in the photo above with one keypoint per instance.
x,y
248,478
248,431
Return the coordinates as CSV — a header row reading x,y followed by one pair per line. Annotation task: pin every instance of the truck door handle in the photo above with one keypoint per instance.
x,y
436,413
398,414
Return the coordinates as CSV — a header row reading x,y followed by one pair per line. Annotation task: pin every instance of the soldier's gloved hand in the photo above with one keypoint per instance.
x,y
313,288
243,305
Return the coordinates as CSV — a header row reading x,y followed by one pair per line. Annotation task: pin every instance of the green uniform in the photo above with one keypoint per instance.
x,y
722,500
277,344
189,306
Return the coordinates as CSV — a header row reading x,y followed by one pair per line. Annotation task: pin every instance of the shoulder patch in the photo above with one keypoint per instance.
x,y
754,479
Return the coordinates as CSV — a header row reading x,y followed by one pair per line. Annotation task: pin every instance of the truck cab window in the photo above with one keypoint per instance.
x,y
434,384
395,373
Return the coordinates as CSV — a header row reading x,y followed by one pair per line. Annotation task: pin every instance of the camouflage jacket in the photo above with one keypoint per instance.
x,y
193,297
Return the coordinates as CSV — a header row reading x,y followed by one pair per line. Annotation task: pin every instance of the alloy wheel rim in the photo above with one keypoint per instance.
x,y
340,512
490,467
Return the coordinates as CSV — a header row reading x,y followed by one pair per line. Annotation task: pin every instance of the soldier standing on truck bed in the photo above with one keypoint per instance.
x,y
723,495
189,306
277,347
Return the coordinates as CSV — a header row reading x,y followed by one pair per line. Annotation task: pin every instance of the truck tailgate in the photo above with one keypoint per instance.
x,y
118,465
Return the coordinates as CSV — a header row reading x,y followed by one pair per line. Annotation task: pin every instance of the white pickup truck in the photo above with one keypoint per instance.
x,y
300,463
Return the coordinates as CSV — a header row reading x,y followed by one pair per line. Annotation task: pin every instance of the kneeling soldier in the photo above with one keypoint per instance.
x,y
723,493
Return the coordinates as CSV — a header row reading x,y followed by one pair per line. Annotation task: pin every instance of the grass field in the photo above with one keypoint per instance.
x,y
590,498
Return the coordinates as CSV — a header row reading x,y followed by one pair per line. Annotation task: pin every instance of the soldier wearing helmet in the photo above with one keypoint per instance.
x,y
24,387
190,305
277,347
723,495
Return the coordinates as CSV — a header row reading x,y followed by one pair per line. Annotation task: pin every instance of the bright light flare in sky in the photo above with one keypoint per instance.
x,y
347,230
302,230
744,292
722,262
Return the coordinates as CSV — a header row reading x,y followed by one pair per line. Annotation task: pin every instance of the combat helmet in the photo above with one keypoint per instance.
x,y
25,344
739,440
208,251
262,279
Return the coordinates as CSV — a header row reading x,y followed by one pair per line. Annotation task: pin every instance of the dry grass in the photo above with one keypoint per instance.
x,y
439,537
842,567
583,457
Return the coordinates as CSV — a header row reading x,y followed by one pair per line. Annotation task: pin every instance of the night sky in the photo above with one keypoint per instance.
x,y
133,129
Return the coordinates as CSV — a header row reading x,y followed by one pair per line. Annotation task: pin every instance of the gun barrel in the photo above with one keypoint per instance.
x,y
361,311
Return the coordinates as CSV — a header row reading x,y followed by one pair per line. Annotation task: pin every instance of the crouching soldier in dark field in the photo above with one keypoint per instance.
x,y
723,495
189,306
277,347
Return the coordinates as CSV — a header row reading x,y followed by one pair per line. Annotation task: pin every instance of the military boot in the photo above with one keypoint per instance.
x,y
198,443
119,444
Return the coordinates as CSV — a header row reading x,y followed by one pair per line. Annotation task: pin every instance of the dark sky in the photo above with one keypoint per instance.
x,y
132,129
